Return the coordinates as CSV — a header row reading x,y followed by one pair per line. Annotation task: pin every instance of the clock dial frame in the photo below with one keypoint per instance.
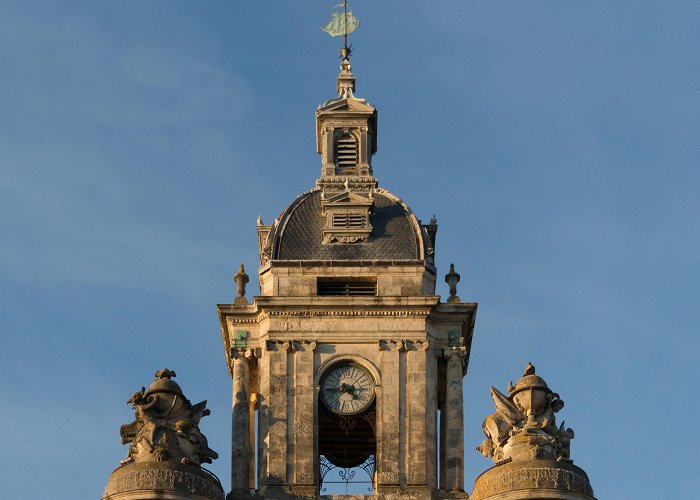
x,y
347,388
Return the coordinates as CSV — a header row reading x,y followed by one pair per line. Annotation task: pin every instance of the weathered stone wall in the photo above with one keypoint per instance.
x,y
400,340
295,281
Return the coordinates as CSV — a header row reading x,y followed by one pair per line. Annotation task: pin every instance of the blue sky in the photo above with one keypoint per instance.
x,y
556,142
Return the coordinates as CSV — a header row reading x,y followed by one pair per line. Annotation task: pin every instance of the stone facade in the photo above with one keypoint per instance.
x,y
347,275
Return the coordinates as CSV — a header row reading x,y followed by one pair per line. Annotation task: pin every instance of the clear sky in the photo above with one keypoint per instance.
x,y
556,142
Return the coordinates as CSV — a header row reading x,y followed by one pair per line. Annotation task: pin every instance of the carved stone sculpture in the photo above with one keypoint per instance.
x,y
523,426
241,279
166,427
452,278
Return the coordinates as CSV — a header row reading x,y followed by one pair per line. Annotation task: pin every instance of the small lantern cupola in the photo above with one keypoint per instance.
x,y
346,133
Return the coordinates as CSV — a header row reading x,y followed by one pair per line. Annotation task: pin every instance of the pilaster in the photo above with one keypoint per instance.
x,y
272,465
388,471
304,395
419,463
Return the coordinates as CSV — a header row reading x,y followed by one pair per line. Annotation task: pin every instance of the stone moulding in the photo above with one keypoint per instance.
x,y
305,313
537,475
137,480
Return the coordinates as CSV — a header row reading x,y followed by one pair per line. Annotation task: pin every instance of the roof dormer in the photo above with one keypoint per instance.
x,y
347,218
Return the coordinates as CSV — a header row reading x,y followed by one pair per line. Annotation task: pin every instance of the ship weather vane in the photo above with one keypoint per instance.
x,y
342,23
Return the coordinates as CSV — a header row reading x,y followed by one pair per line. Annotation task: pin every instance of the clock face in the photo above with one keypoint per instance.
x,y
347,388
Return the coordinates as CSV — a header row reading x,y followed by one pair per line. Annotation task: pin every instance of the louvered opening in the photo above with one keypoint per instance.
x,y
342,286
348,220
345,153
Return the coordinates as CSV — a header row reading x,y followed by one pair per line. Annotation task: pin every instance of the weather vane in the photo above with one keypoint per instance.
x,y
342,23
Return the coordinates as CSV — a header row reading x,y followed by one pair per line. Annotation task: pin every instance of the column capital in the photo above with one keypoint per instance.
x,y
422,345
277,345
242,352
392,345
302,345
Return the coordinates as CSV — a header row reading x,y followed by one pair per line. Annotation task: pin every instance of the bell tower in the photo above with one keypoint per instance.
x,y
347,368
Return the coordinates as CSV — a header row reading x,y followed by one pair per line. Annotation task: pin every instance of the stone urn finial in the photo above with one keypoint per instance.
x,y
166,447
531,453
452,278
165,373
524,426
166,427
241,279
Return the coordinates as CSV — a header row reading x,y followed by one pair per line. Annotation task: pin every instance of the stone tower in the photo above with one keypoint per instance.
x,y
347,364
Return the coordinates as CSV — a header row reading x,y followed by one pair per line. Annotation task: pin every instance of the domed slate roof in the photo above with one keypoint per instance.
x,y
396,233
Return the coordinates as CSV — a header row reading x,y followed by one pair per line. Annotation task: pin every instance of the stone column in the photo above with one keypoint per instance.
x,y
454,421
443,468
251,470
240,430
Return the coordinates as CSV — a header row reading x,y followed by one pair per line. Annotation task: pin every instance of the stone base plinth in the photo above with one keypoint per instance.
x,y
162,481
533,480
386,493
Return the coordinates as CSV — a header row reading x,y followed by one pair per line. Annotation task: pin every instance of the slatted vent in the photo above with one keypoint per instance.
x,y
339,286
348,220
346,152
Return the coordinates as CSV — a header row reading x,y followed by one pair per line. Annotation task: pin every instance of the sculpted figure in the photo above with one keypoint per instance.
x,y
166,425
523,426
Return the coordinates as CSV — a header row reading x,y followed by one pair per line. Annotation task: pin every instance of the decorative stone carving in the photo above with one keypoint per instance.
x,y
392,345
524,426
533,479
166,428
422,345
241,279
452,278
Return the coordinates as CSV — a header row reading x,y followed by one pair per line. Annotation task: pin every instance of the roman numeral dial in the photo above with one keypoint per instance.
x,y
347,388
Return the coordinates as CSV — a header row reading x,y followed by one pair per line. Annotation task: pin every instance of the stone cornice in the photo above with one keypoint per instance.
x,y
345,263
